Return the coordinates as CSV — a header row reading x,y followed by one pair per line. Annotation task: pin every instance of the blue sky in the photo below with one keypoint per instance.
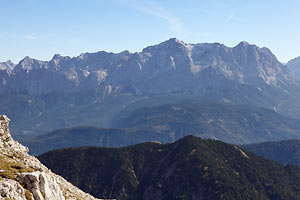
x,y
41,28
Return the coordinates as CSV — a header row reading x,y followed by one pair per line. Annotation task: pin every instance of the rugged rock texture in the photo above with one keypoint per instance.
x,y
92,88
155,70
294,66
6,141
7,66
24,177
10,189
41,185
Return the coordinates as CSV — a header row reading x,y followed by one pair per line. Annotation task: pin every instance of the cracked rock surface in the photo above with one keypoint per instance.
x,y
23,177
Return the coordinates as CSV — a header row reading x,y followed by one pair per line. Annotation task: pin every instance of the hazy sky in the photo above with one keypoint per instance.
x,y
41,28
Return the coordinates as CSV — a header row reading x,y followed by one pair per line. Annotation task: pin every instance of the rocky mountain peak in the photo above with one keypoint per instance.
x,y
23,177
245,47
27,64
172,45
8,65
176,41
6,140
195,65
26,59
4,131
10,62
56,56
243,43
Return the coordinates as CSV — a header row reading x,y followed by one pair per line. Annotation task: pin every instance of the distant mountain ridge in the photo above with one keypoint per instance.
x,y
6,67
98,86
155,70
285,151
237,124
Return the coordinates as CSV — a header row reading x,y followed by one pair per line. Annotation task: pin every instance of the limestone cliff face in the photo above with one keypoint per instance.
x,y
23,177
294,66
171,66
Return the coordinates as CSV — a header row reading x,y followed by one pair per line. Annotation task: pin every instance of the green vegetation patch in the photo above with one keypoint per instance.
x,y
181,170
28,195
8,169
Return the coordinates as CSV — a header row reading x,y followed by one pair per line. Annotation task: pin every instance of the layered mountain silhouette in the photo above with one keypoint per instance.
x,y
155,70
285,151
62,92
238,124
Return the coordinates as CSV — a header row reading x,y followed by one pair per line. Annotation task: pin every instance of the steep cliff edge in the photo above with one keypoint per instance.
x,y
23,177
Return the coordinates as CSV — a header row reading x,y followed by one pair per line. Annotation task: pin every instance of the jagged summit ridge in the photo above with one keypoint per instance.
x,y
244,43
6,140
22,176
7,66
171,43
194,65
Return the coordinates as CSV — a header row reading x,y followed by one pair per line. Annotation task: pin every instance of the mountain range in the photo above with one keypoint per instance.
x,y
238,124
93,88
163,94
155,70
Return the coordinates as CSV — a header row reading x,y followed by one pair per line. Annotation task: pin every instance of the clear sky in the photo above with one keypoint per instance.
x,y
41,28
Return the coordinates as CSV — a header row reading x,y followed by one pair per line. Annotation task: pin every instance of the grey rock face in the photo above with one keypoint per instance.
x,y
8,65
10,189
294,66
172,66
6,69
41,183
102,84
6,141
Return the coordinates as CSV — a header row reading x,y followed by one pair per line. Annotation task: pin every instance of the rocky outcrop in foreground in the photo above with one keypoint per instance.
x,y
23,177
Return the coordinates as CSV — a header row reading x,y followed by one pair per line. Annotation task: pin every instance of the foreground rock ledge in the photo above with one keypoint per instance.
x,y
23,177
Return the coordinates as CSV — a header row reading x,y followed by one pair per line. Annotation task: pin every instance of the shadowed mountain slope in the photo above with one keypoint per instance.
x,y
238,124
285,152
191,168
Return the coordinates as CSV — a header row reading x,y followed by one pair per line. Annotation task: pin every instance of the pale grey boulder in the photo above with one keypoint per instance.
x,y
39,181
11,189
